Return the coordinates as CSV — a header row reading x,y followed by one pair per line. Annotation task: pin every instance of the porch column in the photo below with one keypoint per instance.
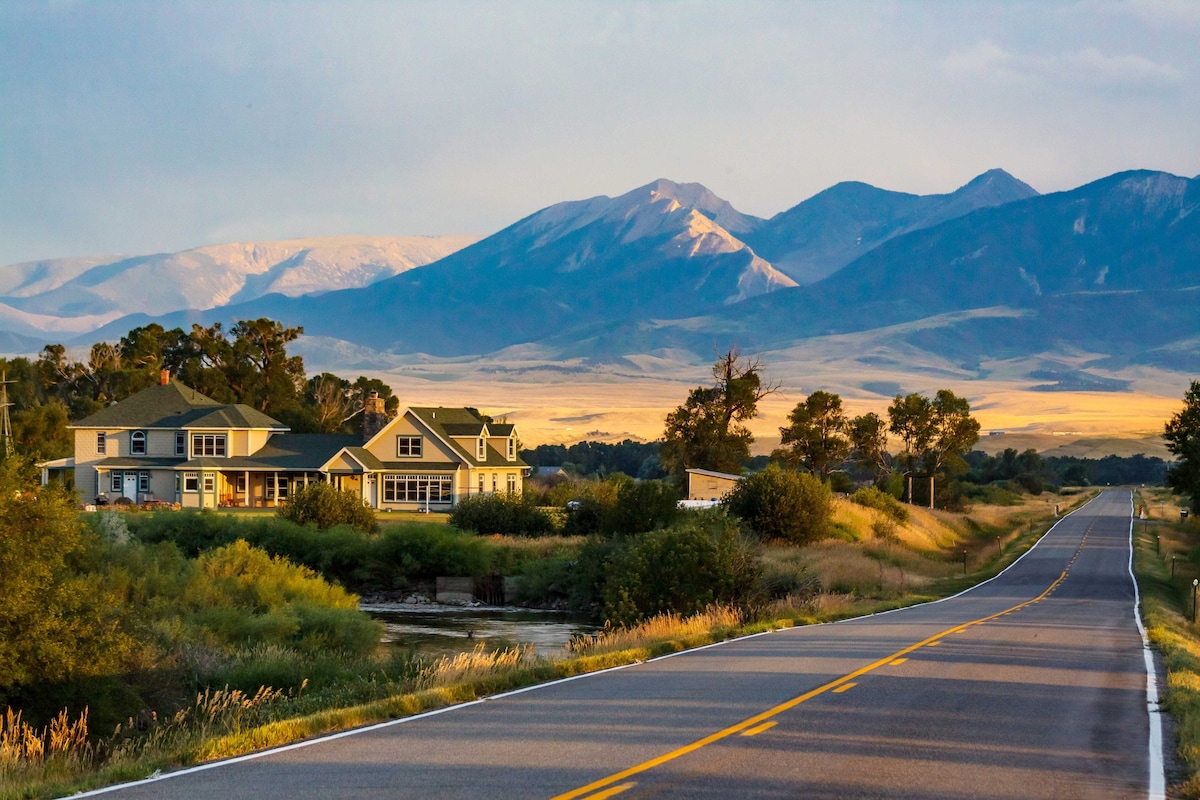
x,y
246,491
275,500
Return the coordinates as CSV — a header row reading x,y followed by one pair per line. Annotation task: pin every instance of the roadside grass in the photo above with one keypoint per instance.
x,y
1166,561
918,563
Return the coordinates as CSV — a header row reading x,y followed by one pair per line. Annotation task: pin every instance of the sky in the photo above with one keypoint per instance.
x,y
136,128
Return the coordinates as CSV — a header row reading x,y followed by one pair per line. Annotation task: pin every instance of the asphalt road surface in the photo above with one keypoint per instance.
x,y
1033,685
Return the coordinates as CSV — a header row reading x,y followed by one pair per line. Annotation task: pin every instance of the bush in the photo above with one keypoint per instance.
x,y
514,515
323,505
782,504
642,506
681,569
881,501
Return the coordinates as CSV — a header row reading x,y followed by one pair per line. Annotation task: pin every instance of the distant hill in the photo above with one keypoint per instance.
x,y
81,294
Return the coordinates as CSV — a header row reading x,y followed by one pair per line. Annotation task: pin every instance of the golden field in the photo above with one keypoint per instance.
x,y
562,404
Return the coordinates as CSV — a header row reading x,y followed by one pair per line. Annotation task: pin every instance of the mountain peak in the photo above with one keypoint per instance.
x,y
999,184
701,198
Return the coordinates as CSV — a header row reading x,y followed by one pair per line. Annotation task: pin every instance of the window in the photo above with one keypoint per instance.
x,y
143,481
240,483
208,444
481,489
178,483
512,483
191,481
210,482
116,482
408,447
181,443
512,449
480,448
100,442
494,477
416,488
137,443
277,487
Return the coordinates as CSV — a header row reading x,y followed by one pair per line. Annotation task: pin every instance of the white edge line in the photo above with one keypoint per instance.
x,y
1158,776
392,722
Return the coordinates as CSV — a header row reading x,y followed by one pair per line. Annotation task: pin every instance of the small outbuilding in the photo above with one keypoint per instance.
x,y
705,484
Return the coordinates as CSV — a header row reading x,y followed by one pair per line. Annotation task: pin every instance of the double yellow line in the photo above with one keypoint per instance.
x,y
616,783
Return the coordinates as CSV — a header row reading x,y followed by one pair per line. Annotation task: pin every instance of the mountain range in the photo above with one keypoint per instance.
x,y
992,270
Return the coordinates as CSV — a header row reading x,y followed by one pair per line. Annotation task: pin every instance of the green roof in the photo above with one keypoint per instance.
x,y
447,423
174,405
293,452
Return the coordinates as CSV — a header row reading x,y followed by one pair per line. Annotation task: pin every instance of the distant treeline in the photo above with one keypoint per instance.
x,y
600,459
1029,468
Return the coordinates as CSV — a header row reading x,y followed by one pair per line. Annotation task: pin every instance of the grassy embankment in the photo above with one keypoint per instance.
x,y
1167,560
874,563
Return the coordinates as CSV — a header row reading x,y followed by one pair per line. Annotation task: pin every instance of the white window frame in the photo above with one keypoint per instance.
x,y
409,446
207,445
495,481
144,481
209,482
512,449
481,449
512,483
101,443
276,490
434,487
116,480
137,443
191,482
481,489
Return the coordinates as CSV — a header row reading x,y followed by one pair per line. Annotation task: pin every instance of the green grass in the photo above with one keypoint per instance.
x,y
1167,613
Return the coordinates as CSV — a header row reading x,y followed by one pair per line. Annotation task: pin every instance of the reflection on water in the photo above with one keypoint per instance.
x,y
443,630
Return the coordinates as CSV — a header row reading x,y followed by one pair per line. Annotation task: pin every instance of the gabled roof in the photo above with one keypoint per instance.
x,y
295,452
174,405
711,474
447,423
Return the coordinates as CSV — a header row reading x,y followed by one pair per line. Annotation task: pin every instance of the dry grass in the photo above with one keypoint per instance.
x,y
664,627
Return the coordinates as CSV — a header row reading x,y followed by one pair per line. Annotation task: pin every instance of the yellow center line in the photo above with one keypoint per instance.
x,y
845,687
755,731
897,662
787,705
616,790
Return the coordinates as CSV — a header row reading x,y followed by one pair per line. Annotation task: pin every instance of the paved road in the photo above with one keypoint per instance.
x,y
1032,685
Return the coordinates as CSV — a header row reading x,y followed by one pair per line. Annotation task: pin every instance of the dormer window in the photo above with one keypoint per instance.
x,y
480,448
137,443
512,449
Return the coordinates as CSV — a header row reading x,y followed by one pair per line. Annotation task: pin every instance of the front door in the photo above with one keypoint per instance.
x,y
129,486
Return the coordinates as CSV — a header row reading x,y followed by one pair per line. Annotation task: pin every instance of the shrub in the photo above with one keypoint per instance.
x,y
323,505
682,569
881,501
642,506
782,504
514,515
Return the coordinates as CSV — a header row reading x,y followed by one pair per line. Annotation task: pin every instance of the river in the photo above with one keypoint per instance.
x,y
447,630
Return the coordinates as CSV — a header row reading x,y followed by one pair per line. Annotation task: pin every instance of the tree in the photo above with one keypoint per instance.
x,y
868,441
911,418
1182,433
275,379
955,432
815,438
56,623
782,504
936,433
707,431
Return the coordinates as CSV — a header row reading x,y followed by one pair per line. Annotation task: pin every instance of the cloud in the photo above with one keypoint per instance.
x,y
1087,66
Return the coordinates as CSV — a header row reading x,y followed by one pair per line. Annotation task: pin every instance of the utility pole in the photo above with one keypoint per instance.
x,y
6,434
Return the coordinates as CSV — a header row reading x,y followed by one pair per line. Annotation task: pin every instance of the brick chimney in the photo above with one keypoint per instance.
x,y
164,377
374,416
